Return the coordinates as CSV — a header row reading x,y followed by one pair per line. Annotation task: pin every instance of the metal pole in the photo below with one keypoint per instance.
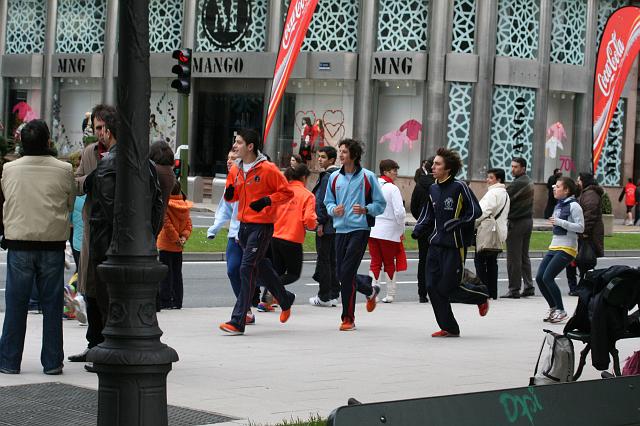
x,y
46,104
110,42
132,364
186,103
486,23
4,6
271,144
364,90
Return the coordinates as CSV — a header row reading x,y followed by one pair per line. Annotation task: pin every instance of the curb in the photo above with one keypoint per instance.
x,y
411,254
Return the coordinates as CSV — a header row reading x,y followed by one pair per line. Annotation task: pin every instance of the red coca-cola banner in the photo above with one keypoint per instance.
x,y
295,28
618,49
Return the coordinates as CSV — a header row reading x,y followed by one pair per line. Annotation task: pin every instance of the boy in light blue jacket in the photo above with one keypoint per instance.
x,y
353,198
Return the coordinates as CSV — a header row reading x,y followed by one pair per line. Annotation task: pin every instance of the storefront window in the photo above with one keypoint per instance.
x,y
559,135
80,26
25,97
233,26
459,121
518,28
512,119
165,25
328,106
399,131
333,27
609,170
72,99
568,31
26,21
403,25
163,103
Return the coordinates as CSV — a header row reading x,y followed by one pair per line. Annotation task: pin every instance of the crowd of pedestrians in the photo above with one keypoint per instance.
x,y
269,211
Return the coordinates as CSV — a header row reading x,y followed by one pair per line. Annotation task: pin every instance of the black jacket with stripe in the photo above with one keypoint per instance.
x,y
453,209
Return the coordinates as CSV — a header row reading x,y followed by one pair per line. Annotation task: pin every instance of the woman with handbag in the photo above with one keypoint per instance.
x,y
491,230
591,241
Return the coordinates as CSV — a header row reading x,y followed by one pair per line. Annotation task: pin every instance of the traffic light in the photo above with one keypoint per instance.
x,y
183,70
177,167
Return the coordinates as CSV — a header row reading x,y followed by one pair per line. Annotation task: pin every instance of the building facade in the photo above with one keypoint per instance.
x,y
493,79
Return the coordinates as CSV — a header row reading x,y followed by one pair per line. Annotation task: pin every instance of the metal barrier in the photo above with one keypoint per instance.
x,y
605,402
195,189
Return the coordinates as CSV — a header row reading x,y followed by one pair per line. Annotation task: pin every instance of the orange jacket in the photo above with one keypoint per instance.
x,y
297,214
177,223
264,179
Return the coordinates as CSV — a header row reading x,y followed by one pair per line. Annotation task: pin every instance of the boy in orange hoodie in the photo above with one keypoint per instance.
x,y
258,186
171,240
292,219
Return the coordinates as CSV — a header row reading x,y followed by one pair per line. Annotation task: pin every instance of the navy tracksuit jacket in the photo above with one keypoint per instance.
x,y
453,209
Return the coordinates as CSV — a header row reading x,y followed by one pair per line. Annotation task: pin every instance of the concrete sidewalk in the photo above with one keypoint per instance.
x,y
283,371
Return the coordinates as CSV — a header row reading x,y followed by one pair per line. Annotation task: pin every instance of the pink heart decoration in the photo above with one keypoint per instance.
x,y
334,125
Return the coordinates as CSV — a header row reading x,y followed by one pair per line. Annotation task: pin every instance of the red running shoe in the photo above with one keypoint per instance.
x,y
347,326
230,329
443,333
483,308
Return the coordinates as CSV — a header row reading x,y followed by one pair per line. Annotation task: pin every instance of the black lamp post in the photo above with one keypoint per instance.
x,y
132,364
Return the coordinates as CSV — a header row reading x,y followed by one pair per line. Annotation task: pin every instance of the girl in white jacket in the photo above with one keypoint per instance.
x,y
495,204
385,240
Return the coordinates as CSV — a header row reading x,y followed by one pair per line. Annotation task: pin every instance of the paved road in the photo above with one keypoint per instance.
x,y
206,283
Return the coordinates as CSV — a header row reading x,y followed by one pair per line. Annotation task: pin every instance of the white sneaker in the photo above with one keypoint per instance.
x,y
80,307
316,301
558,316
549,315
387,299
334,302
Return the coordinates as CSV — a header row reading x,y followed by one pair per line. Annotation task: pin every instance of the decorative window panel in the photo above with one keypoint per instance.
x,y
568,31
610,164
333,27
26,23
459,121
232,26
605,9
518,28
80,26
464,26
165,25
512,119
403,25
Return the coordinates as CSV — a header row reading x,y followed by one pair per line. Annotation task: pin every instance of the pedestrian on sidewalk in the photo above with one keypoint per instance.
x,y
519,228
353,198
386,240
171,240
590,201
453,208
568,222
495,209
629,195
257,185
38,195
419,197
325,273
293,219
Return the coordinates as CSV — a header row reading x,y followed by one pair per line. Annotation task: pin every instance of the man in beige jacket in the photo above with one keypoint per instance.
x,y
38,194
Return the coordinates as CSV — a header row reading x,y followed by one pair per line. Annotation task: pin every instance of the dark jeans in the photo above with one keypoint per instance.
x,y
552,264
325,273
423,250
234,258
350,248
46,268
287,260
444,275
254,239
487,270
171,287
518,261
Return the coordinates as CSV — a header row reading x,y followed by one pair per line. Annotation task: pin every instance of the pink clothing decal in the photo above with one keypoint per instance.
x,y
413,128
396,139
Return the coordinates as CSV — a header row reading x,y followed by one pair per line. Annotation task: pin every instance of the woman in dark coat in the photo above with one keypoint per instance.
x,y
423,179
591,202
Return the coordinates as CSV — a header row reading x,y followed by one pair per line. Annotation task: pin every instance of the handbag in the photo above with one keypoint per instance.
x,y
488,228
586,258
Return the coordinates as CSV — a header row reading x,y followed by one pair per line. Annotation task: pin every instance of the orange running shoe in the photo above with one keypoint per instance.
x,y
373,299
443,333
483,308
347,326
230,329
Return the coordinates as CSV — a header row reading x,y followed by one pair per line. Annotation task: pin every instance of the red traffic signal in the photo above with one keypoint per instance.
x,y
182,70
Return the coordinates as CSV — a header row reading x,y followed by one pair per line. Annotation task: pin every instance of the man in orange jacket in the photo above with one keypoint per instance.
x,y
256,184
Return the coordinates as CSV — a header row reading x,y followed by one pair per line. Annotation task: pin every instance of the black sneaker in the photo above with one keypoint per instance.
x,y
510,295
528,292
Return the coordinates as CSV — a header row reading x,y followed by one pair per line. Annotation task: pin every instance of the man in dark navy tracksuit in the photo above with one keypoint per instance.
x,y
452,208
